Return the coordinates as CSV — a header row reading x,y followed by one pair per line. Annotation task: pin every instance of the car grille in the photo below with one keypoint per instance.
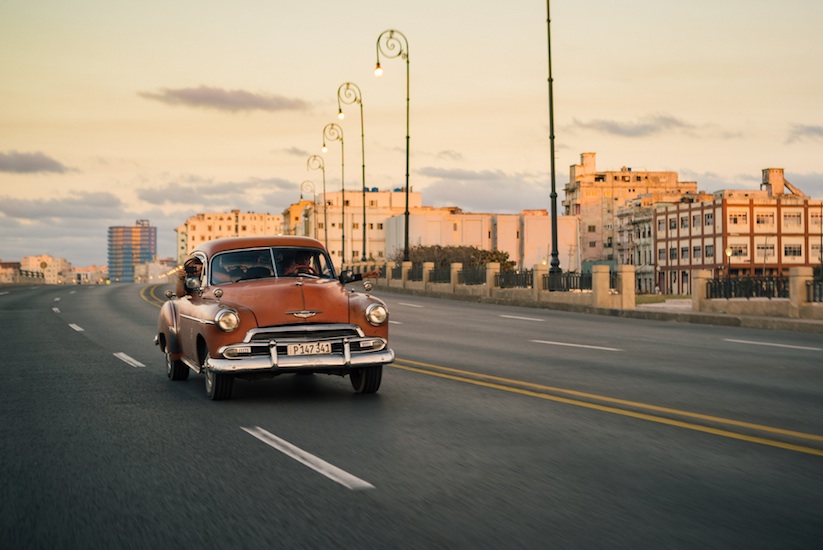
x,y
303,333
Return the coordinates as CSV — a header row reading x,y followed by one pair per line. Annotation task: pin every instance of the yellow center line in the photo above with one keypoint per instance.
x,y
461,376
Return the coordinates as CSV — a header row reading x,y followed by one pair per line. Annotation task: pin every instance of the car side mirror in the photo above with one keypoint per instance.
x,y
346,276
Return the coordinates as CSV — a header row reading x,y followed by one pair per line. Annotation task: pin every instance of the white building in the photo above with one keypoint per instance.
x,y
208,226
55,271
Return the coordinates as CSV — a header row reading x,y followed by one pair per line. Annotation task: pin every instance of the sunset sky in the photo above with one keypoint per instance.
x,y
113,111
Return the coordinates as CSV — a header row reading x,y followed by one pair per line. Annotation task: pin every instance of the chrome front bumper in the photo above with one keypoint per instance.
x,y
275,361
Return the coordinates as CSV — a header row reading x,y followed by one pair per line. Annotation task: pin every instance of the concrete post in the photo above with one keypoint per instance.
x,y
455,269
539,272
626,284
798,276
406,267
491,269
389,268
700,279
600,286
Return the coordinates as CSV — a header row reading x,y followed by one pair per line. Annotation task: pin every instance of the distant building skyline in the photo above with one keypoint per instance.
x,y
128,247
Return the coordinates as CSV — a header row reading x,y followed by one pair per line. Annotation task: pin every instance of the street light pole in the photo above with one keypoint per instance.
x,y
349,93
316,163
333,132
729,252
306,184
555,262
391,47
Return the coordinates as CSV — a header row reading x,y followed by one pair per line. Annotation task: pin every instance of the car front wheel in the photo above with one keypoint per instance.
x,y
218,385
367,379
176,369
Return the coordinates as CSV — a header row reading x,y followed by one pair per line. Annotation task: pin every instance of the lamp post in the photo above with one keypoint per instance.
x,y
728,271
316,163
309,185
555,263
349,93
392,43
333,132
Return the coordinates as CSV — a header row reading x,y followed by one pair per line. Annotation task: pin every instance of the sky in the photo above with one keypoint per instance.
x,y
115,111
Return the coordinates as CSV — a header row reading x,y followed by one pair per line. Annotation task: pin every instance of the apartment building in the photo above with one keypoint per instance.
x,y
738,233
595,197
55,270
337,215
208,226
129,246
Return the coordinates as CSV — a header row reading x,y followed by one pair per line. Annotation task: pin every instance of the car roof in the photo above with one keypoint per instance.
x,y
234,243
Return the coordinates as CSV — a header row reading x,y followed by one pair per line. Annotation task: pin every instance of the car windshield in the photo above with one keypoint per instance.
x,y
242,265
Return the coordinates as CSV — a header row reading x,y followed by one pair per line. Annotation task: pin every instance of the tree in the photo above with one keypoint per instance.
x,y
443,256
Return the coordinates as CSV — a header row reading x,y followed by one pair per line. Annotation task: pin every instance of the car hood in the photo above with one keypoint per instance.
x,y
289,300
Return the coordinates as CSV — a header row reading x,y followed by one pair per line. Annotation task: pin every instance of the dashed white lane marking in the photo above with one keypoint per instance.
x,y
4,293
574,345
56,309
129,360
772,345
317,464
408,304
522,318
395,323
57,299
76,327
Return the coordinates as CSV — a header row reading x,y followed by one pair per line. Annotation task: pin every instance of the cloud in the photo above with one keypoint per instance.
x,y
449,155
801,132
486,190
297,152
29,163
76,206
225,100
647,126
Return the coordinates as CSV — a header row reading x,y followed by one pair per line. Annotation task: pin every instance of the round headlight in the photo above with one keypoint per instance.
x,y
227,320
377,314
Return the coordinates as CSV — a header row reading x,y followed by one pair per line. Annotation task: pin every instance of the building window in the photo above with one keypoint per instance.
x,y
592,229
793,250
684,253
740,250
765,251
709,219
661,254
764,218
710,251
379,226
696,220
592,244
684,222
817,218
320,225
697,252
672,223
661,225
792,219
355,226
738,218
672,253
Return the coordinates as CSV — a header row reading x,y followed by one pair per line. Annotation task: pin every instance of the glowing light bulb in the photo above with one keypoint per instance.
x,y
378,71
340,114
325,149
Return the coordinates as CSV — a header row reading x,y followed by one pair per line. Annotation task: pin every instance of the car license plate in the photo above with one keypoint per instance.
x,y
309,348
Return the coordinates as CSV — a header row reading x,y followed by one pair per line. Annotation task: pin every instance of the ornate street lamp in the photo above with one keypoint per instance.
x,y
555,263
316,163
349,93
393,43
333,132
309,186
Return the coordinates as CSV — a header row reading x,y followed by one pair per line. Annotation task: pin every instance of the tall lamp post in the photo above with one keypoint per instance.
x,y
555,263
393,43
333,132
316,163
729,252
309,186
349,93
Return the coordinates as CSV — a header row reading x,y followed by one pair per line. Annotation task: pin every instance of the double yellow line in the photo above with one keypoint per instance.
x,y
149,295
660,415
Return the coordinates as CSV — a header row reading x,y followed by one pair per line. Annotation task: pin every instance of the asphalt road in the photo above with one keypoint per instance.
x,y
497,427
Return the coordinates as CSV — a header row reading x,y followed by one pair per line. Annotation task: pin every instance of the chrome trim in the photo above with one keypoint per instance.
x,y
264,363
302,328
197,320
304,314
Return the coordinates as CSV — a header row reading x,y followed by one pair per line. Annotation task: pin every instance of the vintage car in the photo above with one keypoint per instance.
x,y
258,307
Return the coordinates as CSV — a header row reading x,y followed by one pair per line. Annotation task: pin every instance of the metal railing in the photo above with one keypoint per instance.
x,y
565,282
514,279
814,290
472,276
397,272
440,275
415,273
748,287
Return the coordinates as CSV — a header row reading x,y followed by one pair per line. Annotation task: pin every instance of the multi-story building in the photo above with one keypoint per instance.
x,y
635,233
595,197
55,271
129,246
526,236
325,221
217,225
738,233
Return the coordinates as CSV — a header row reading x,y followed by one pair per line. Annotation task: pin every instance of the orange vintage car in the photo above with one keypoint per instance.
x,y
258,307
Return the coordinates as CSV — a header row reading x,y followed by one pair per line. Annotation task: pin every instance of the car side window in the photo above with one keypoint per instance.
x,y
302,262
241,265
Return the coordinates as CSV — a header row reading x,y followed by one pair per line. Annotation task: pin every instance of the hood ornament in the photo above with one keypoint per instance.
x,y
303,314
